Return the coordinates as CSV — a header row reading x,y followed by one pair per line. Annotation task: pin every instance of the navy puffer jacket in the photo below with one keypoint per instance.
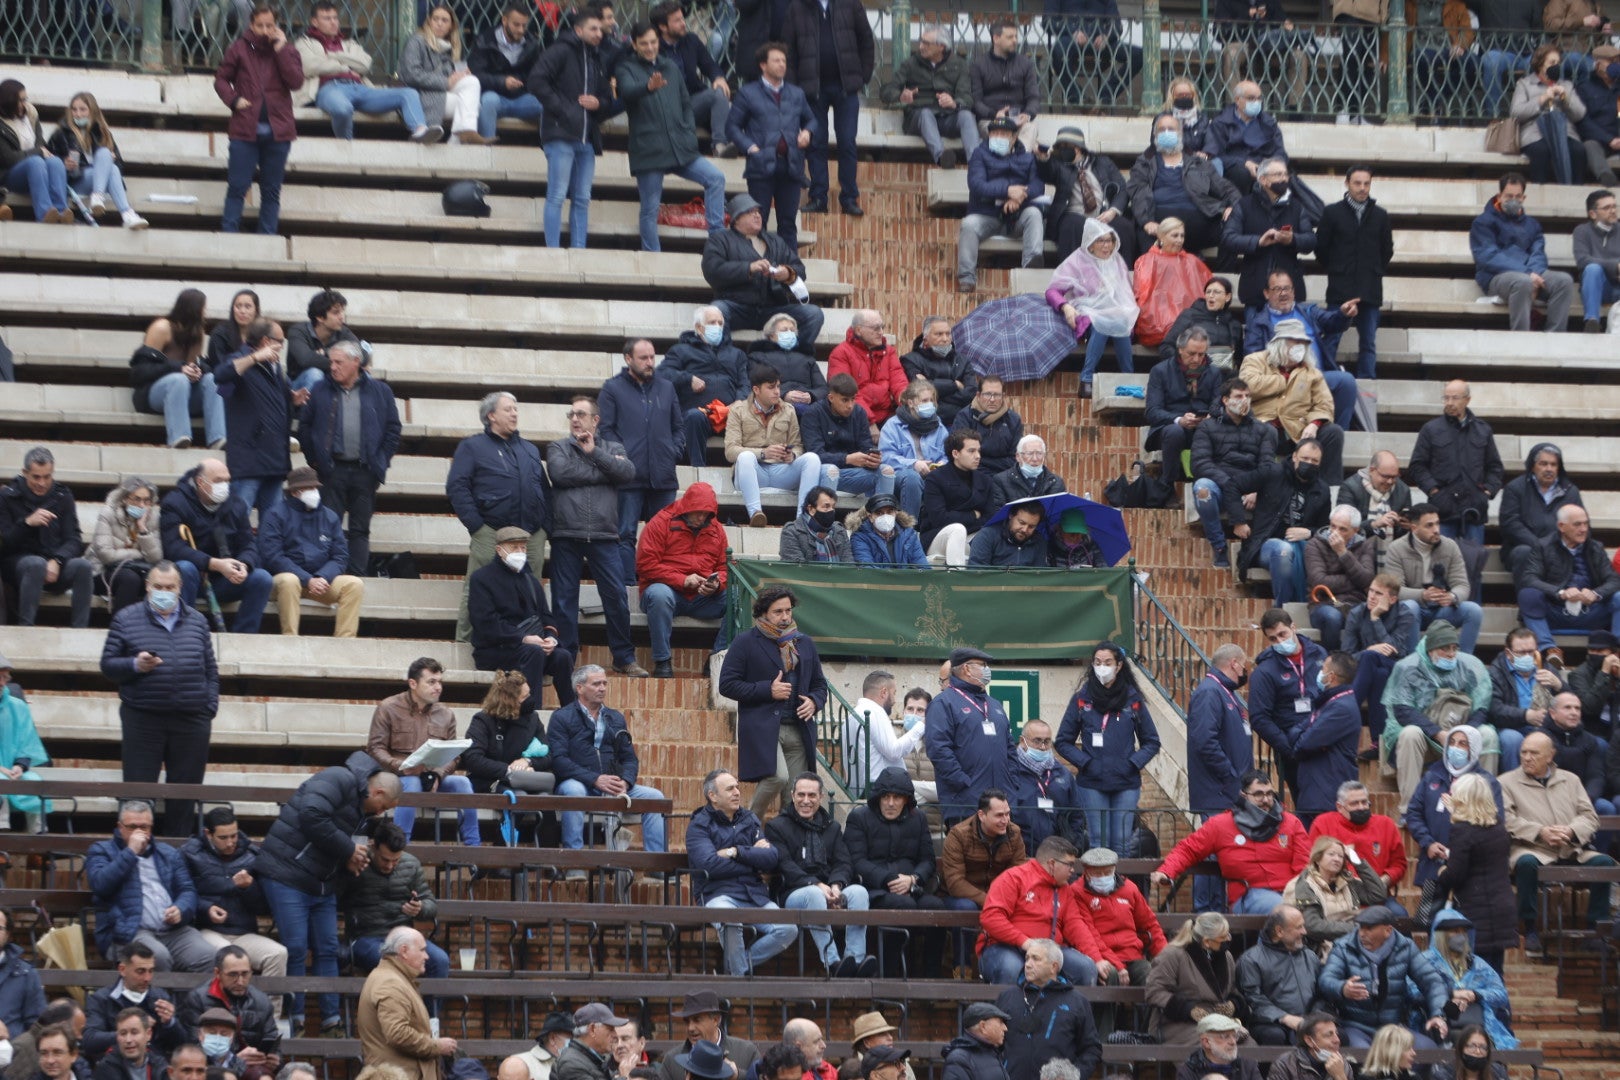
x,y
743,878
186,683
211,874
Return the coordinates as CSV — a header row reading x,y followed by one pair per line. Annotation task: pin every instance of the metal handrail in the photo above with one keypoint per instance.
x,y
1163,650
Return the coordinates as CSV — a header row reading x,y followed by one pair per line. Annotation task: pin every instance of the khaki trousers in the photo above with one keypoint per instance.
x,y
345,592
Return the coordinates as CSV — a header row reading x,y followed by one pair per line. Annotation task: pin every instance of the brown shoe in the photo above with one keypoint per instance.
x,y
51,217
1553,658
758,520
472,138
632,670
5,213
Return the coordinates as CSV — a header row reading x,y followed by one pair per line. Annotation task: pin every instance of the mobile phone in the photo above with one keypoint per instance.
x,y
714,576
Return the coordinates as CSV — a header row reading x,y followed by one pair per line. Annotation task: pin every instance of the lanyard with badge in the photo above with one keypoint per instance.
x,y
987,725
1098,735
1302,704
1243,714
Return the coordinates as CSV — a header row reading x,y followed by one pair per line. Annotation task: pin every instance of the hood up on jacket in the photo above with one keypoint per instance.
x,y
1559,485
1326,533
1449,914
857,518
697,499
892,781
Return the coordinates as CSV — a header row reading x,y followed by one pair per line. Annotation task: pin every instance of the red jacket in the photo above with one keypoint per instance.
x,y
876,371
253,69
1120,921
1379,841
1243,864
669,550
1025,903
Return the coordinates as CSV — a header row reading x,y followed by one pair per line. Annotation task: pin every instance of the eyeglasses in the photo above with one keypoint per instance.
x,y
1040,744
991,395
580,414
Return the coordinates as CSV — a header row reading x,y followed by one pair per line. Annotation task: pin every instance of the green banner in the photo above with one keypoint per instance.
x,y
1012,614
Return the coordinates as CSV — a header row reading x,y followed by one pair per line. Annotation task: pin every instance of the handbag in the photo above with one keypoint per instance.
x,y
687,215
1135,488
1502,136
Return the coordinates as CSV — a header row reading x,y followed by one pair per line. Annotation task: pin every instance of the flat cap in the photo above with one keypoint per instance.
x,y
980,1011
510,533
1377,915
217,1015
1597,639
1099,856
879,1056
1217,1022
302,477
885,501
967,652
597,1013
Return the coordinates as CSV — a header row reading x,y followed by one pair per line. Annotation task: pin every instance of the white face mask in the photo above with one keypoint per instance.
x,y
311,498
1105,673
5,1053
1296,353
884,523
517,560
218,492
134,996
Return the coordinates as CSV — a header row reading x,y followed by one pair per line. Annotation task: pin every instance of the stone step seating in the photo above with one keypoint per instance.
x,y
605,323
1493,630
1481,354
342,260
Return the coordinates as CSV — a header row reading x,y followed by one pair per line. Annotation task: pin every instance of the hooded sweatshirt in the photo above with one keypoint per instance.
x,y
881,849
1528,514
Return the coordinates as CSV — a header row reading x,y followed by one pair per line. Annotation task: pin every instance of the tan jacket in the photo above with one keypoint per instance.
x,y
969,863
1371,11
318,64
1528,806
1294,401
747,430
393,1023
398,728
1565,15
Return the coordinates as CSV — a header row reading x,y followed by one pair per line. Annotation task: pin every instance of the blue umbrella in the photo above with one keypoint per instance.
x,y
1019,338
1105,524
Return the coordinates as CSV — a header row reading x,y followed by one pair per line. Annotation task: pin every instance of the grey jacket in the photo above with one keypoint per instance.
x,y
1405,558
1594,246
798,543
427,71
1276,982
585,489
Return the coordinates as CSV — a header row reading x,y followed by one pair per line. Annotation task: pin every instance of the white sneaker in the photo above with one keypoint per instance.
x,y
98,205
132,220
430,134
1342,119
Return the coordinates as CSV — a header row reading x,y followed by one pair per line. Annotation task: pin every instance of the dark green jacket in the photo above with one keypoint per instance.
x,y
372,901
663,135
949,77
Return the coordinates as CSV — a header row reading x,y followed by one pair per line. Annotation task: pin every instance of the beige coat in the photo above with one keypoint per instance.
x,y
318,64
1294,401
747,430
1177,986
1528,807
393,1022
1371,11
113,542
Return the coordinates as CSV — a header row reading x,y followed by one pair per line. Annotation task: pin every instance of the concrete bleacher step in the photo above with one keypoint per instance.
x,y
1498,620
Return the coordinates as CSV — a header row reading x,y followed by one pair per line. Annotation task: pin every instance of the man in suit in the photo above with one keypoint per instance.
x,y
772,124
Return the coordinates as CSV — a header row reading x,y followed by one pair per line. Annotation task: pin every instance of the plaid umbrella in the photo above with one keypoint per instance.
x,y
1018,338
1104,524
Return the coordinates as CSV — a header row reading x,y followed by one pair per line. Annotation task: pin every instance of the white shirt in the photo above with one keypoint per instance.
x,y
869,720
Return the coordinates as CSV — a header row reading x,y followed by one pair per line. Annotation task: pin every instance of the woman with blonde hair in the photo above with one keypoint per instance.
x,y
1331,890
1168,278
84,141
1193,976
127,541
1181,101
1391,1056
1475,872
432,65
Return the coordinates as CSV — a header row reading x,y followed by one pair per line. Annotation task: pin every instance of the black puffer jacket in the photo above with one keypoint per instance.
x,y
881,849
723,369
496,744
1224,327
727,256
998,442
565,72
308,846
211,875
1550,567
220,532
852,41
1456,466
1527,517
1221,449
969,1058
1272,516
255,1016
812,852
944,372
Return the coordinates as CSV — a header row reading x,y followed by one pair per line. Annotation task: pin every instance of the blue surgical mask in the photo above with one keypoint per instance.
x,y
1321,681
1031,472
1001,147
787,339
81,121
1252,108
1167,141
163,600
713,334
927,410
1287,648
1040,759
135,512
1445,663
1457,756
1104,885
215,1045
1525,664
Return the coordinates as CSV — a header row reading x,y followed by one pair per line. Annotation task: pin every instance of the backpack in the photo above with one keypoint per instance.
x,y
1450,708
1135,488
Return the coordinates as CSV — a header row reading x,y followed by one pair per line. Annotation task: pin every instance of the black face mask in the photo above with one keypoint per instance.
x,y
1183,103
824,518
1306,471
1475,1062
1277,187
1554,72
1066,155
1360,817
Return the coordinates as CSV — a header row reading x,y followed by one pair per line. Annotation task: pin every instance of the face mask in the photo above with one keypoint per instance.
x,y
1512,207
941,351
1184,103
824,518
1306,471
219,492
927,410
1252,108
1001,147
1105,673
1168,142
311,499
5,1053
1554,72
884,523
163,600
1324,1056
713,334
517,560
787,339
135,512
1457,942
1039,759
987,673
1030,471
1296,353
1102,886
135,996
1288,647
1457,756
1445,663
912,720
1475,1062
1525,664
81,121
1237,409
215,1045
1278,187
1321,682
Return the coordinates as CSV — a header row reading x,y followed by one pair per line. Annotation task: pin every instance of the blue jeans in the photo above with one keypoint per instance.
x,y
698,432
846,114
636,505
1499,65
342,98
102,176
253,593
493,107
1257,902
261,492
1286,561
366,952
1467,617
46,181
177,399
405,816
931,125
1372,674
1366,324
650,187
1207,502
964,937
1543,616
810,898
305,922
269,158
570,171
1110,815
568,558
662,604
308,379
751,474
1597,289
1474,533
1510,740
1096,344
1002,965
1329,620
1342,385
573,821
861,481
772,939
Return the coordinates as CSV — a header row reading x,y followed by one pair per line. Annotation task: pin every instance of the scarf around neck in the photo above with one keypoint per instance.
x,y
785,638
988,418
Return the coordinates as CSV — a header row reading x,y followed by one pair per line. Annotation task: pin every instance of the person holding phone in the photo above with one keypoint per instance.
x,y
392,890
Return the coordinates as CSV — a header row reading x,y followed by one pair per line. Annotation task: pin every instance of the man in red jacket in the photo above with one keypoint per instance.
x,y
1033,900
1258,845
1366,835
1126,928
681,568
867,356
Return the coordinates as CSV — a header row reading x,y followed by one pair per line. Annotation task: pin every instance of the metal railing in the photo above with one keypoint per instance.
x,y
1163,650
